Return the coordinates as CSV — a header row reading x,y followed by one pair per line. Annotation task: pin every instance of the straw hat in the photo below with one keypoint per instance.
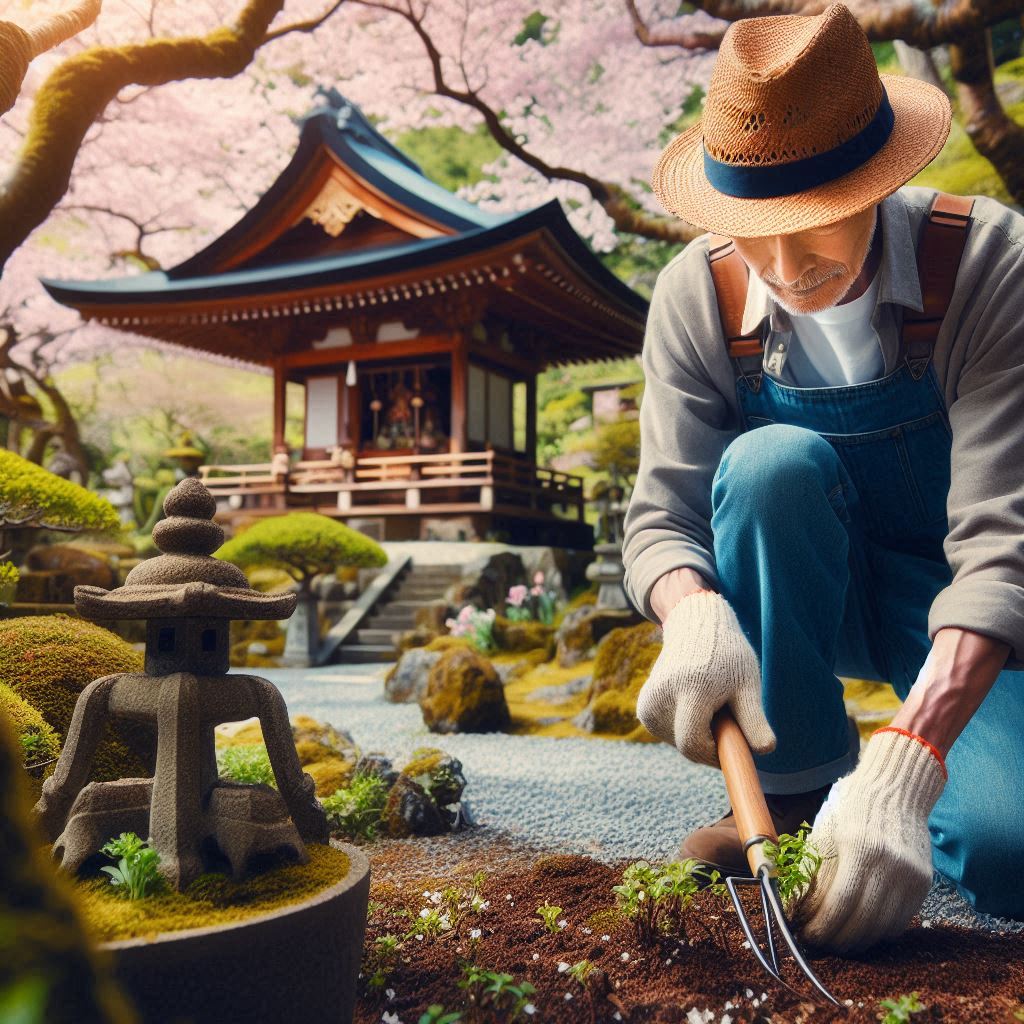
x,y
799,130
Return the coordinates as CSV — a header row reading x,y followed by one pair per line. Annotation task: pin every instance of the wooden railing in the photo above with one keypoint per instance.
x,y
452,481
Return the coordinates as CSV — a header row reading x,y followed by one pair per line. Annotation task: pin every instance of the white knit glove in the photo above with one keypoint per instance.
x,y
705,663
872,832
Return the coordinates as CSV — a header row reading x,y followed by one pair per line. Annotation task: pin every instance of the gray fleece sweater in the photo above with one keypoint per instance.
x,y
689,412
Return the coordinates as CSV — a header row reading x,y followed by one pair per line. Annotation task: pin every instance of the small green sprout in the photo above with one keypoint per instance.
x,y
428,925
436,1014
900,1008
137,871
796,860
246,762
657,898
495,990
581,971
358,809
549,914
380,960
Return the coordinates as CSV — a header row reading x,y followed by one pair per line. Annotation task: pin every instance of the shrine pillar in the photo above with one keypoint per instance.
x,y
460,376
280,385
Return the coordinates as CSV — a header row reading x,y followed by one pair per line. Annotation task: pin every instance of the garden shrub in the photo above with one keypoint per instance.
x,y
302,544
246,762
42,936
358,809
48,660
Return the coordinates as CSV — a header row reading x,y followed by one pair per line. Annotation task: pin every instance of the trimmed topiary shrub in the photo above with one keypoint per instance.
x,y
48,660
302,544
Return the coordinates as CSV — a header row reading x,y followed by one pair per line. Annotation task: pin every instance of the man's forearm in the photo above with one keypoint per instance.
x,y
672,587
956,678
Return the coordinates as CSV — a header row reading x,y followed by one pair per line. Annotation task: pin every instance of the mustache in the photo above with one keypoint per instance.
x,y
804,284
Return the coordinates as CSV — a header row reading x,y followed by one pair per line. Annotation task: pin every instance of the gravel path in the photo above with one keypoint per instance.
x,y
609,800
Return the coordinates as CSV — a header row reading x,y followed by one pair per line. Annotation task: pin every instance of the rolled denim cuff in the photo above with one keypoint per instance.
x,y
803,781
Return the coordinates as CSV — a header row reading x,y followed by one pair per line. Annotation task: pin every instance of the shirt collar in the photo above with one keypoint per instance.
x,y
899,280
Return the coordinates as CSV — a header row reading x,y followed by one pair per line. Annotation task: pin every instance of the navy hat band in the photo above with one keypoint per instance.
x,y
762,181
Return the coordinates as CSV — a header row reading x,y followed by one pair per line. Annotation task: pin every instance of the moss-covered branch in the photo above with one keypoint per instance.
x,y
79,89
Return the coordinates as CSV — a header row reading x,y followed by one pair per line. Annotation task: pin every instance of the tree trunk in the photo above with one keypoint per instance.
x,y
994,135
918,63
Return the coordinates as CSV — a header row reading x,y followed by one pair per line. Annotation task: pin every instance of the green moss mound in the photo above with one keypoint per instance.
x,y
464,694
48,660
212,899
623,661
36,737
527,635
42,935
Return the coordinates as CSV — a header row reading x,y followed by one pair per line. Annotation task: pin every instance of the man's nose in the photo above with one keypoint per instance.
x,y
790,260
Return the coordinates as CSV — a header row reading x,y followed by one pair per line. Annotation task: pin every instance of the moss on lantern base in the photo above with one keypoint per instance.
x,y
212,899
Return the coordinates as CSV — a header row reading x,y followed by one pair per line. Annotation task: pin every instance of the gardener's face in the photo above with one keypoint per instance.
x,y
811,270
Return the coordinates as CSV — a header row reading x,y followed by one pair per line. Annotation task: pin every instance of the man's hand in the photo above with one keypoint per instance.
x,y
705,662
872,833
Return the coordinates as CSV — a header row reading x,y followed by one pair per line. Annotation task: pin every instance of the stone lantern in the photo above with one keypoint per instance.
x,y
191,817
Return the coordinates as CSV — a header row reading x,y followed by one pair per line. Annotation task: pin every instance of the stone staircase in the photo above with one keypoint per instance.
x,y
395,612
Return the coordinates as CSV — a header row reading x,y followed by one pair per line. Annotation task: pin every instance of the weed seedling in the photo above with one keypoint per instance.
x,y
494,994
246,762
357,810
436,1014
137,871
898,1010
656,899
796,860
550,915
380,960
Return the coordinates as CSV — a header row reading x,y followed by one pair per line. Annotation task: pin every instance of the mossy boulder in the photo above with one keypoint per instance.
x,y
406,680
624,660
43,942
438,773
37,739
411,811
525,635
48,660
418,637
464,694
585,626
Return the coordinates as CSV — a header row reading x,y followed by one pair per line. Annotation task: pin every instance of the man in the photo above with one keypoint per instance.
x,y
843,508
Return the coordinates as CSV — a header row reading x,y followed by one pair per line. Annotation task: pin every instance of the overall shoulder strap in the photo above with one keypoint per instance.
x,y
730,276
939,249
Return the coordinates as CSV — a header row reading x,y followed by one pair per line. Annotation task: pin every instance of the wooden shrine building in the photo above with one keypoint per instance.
x,y
417,324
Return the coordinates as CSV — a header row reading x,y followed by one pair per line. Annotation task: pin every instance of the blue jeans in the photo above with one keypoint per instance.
x,y
826,582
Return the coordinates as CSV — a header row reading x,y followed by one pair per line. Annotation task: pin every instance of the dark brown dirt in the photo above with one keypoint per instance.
x,y
960,975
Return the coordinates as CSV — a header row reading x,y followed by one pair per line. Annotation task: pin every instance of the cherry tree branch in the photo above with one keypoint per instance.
x,y
617,202
78,90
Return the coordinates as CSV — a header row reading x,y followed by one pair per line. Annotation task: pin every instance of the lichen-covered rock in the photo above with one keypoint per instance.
x,y
522,636
624,659
84,566
410,810
464,694
406,681
487,586
585,626
379,765
438,773
48,660
418,637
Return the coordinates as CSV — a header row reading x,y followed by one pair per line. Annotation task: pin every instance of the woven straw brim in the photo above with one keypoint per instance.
x,y
922,121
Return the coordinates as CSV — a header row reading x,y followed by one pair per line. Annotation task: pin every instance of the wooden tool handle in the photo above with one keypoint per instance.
x,y
741,781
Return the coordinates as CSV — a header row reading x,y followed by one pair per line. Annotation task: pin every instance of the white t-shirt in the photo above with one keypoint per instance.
x,y
837,346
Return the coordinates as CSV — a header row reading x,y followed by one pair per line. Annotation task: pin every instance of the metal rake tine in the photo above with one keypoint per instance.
x,y
768,928
730,884
769,892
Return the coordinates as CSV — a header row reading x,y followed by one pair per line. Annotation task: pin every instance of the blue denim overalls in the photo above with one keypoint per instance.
x,y
828,515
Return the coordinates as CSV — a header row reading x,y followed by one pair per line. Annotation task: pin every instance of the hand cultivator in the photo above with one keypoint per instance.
x,y
755,826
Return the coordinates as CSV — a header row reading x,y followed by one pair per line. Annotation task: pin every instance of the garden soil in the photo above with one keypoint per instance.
x,y
960,975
